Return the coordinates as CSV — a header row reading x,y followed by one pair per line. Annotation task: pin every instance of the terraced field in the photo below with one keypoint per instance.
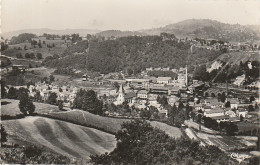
x,y
62,137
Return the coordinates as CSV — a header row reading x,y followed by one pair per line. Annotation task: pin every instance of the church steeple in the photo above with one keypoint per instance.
x,y
121,89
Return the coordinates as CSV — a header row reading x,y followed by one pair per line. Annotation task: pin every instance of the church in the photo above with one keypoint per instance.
x,y
123,96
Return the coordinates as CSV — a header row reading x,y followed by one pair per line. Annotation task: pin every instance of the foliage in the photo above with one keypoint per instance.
x,y
162,100
132,54
26,105
32,155
139,143
3,135
5,62
21,38
19,55
88,101
201,73
12,93
250,108
39,56
3,90
3,46
52,99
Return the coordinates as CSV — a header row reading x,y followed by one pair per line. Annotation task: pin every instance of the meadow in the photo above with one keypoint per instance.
x,y
61,137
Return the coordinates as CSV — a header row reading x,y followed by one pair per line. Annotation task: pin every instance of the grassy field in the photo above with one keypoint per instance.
x,y
107,124
11,108
62,137
58,49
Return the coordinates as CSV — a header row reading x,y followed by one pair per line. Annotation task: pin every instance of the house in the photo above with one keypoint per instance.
x,y
19,68
214,112
233,103
207,108
158,68
172,100
242,112
198,107
230,113
142,94
221,118
166,69
149,69
239,80
164,80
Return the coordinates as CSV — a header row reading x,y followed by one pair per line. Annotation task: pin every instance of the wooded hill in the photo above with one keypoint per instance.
x,y
134,53
206,28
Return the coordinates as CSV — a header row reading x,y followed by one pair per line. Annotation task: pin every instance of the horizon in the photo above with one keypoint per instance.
x,y
126,30
121,15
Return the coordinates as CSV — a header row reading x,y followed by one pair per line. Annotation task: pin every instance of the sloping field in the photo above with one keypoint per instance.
x,y
173,132
62,137
11,107
108,124
236,57
111,125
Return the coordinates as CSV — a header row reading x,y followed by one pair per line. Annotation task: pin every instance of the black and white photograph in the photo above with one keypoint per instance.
x,y
130,82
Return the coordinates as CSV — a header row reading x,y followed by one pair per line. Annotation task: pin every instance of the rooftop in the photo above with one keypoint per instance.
x,y
164,78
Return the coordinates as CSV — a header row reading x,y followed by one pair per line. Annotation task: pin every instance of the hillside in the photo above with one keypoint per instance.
x,y
118,33
134,53
235,57
62,137
206,28
81,32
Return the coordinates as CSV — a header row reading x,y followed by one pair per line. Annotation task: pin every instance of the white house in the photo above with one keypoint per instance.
x,y
242,112
142,94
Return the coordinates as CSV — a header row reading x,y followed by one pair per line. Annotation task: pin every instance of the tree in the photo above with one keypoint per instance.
x,y
227,104
3,46
179,118
88,101
231,128
60,105
223,97
51,78
116,85
39,56
12,93
139,143
3,90
26,105
162,100
3,135
52,99
19,55
250,108
241,118
252,98
201,73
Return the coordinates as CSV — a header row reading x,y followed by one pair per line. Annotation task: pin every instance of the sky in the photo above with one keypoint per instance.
x,y
122,14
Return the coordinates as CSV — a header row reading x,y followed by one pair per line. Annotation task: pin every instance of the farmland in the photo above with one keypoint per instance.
x,y
107,124
10,107
62,137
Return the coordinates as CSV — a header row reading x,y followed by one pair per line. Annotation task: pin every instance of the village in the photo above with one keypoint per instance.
x,y
217,101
